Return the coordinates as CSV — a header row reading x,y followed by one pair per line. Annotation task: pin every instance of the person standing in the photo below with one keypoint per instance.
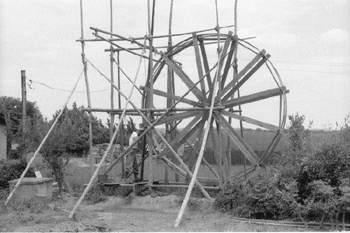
x,y
131,159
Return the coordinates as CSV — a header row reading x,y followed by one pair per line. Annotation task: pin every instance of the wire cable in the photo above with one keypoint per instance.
x,y
31,81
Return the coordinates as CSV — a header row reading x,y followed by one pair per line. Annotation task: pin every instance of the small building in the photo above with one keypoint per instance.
x,y
3,137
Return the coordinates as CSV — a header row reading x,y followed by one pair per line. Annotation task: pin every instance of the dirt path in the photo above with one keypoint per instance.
x,y
142,214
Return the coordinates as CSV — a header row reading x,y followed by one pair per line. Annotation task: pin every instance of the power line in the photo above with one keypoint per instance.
x,y
60,89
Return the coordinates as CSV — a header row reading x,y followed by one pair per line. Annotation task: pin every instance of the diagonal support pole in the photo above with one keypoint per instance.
x,y
151,126
42,142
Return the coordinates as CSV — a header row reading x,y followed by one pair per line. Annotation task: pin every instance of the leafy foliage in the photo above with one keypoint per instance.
x,y
305,185
70,137
75,124
12,169
35,124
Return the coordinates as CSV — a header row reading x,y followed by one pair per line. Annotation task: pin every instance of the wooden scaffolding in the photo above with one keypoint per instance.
x,y
201,108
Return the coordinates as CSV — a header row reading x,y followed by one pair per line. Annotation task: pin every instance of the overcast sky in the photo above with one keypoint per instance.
x,y
307,39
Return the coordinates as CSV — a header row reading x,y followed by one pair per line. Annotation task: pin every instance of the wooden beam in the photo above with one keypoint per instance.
x,y
183,136
193,156
255,97
221,59
177,117
186,80
151,126
251,121
181,186
223,53
174,97
205,62
42,142
198,62
173,166
238,141
213,137
228,64
245,78
205,162
242,73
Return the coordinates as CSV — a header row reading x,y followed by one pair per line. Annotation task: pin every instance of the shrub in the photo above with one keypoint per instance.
x,y
330,165
12,169
257,197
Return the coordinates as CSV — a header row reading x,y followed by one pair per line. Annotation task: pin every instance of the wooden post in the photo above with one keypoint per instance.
x,y
94,175
119,107
24,111
150,126
170,130
86,85
42,143
111,57
149,103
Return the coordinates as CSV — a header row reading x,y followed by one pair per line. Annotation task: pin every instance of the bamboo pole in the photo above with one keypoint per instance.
x,y
149,100
201,152
150,126
43,141
158,36
235,73
170,90
86,83
111,58
71,215
24,113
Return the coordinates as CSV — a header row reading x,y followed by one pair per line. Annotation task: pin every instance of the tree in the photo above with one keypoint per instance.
x,y
34,129
299,138
71,138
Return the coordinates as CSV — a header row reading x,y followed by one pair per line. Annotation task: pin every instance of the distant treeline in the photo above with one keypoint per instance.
x,y
259,140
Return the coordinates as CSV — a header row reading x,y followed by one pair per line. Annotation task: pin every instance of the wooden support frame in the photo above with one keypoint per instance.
x,y
208,109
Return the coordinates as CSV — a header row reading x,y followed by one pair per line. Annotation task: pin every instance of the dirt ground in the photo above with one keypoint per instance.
x,y
129,214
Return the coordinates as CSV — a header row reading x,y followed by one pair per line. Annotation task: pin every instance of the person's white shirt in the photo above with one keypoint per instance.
x,y
133,138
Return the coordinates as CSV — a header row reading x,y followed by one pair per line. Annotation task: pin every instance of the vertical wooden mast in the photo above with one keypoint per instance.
x,y
86,84
111,125
170,128
149,101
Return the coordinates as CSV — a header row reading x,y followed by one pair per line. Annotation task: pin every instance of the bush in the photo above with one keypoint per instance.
x,y
12,169
257,197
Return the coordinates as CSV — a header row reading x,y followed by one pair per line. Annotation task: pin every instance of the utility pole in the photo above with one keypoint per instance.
x,y
24,110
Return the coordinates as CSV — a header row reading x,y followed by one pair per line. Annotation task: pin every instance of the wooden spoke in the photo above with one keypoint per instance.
x,y
238,141
245,78
193,156
242,73
183,76
271,147
220,64
255,97
205,62
174,97
224,51
173,166
251,121
228,64
158,70
187,132
178,116
218,158
198,62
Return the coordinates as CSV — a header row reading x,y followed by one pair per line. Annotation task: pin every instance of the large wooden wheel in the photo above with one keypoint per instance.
x,y
194,64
